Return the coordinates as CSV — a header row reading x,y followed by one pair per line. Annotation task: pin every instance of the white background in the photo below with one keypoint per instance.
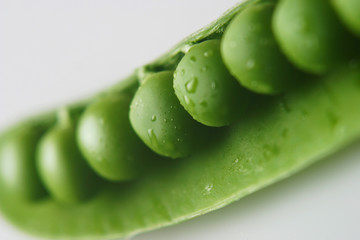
x,y
54,52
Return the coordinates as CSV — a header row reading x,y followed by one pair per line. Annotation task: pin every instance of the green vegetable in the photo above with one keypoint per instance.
x,y
160,121
61,166
252,55
18,174
206,89
310,34
276,137
348,11
108,142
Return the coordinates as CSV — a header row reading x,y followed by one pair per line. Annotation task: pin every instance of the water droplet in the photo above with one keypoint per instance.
x,y
270,150
152,137
188,101
193,58
204,69
236,161
250,64
165,120
182,71
153,118
191,85
208,53
213,85
175,127
180,140
171,119
208,188
203,103
304,113
284,106
312,42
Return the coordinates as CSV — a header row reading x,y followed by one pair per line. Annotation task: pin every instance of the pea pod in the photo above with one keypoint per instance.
x,y
278,136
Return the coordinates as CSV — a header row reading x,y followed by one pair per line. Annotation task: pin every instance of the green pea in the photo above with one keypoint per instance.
x,y
310,34
348,11
18,174
206,89
159,120
108,142
252,55
62,168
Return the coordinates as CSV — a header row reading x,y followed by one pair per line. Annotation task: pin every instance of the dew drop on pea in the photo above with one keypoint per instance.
x,y
191,85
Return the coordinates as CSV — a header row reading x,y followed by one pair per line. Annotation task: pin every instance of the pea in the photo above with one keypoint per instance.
x,y
108,142
310,34
18,174
159,120
62,168
206,89
252,55
348,11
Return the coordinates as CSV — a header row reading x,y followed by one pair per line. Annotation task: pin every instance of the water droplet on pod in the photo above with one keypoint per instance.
x,y
250,64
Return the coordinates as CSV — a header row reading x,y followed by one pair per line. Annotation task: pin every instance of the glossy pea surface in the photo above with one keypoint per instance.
x,y
311,35
18,174
349,12
205,87
159,120
252,55
62,168
107,140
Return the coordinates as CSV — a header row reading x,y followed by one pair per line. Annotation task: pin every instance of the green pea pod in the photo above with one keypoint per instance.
x,y
277,137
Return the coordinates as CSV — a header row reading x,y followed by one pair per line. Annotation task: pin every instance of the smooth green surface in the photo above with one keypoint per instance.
x,y
253,56
62,168
108,142
276,139
205,87
311,35
160,121
349,12
18,174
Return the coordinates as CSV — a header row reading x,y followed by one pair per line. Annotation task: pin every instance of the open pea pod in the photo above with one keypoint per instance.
x,y
278,136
